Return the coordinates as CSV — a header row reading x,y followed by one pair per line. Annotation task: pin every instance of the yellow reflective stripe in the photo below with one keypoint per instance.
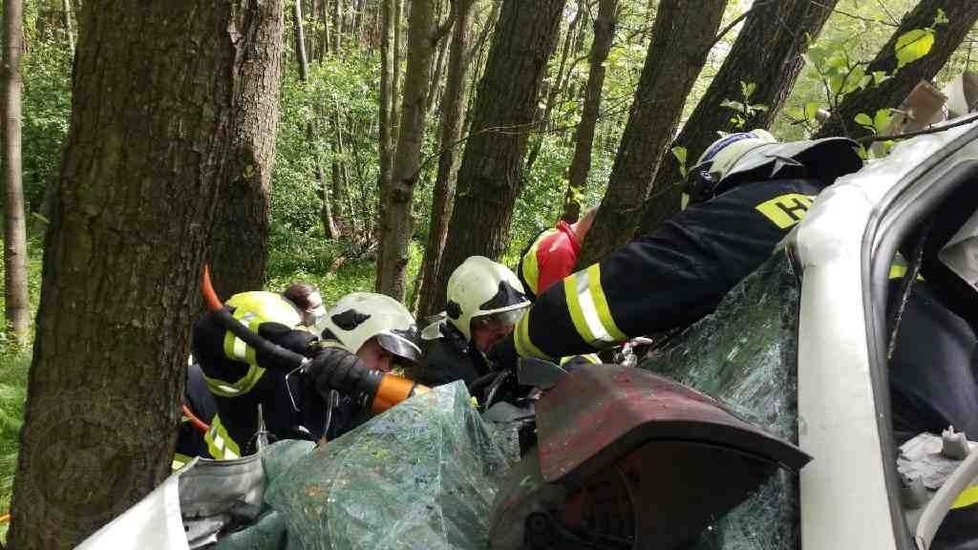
x,y
899,271
786,210
967,497
530,266
589,309
591,358
601,304
234,389
179,461
521,337
571,285
219,442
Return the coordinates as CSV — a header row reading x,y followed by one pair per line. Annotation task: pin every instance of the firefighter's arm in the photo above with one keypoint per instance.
x,y
654,283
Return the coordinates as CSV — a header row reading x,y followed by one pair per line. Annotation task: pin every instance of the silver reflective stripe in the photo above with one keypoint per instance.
x,y
588,308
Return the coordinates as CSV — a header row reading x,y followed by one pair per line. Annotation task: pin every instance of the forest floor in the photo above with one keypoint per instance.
x,y
349,277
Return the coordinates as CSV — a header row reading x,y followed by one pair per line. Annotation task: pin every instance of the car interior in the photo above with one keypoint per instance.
x,y
922,265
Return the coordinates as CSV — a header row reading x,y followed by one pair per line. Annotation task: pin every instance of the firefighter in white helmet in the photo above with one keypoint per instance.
x,y
485,299
382,333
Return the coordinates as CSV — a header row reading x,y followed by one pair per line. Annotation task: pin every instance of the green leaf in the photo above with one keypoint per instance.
x,y
747,89
912,45
680,154
864,120
879,77
731,104
940,18
881,120
811,109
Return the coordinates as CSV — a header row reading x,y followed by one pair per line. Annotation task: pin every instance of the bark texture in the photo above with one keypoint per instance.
x,y
890,93
396,224
683,33
16,307
604,36
174,112
386,145
767,54
450,128
489,176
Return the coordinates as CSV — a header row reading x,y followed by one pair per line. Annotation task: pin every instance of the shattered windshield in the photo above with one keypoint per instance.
x,y
745,355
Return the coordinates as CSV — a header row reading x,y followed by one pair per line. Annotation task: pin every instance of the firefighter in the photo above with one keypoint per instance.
x,y
485,299
253,390
553,254
382,333
309,300
746,192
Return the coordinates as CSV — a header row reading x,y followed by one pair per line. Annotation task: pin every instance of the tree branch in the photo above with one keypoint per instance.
x,y
932,130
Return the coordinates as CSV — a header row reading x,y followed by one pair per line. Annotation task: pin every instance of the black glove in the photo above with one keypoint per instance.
x,y
503,355
338,369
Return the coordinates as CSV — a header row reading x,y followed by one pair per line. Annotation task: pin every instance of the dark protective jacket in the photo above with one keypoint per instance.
x,y
670,278
241,379
197,397
450,358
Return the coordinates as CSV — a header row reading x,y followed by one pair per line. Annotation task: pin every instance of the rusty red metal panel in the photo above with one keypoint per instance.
x,y
598,414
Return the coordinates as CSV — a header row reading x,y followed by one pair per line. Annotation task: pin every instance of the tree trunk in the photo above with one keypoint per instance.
x,y
396,225
604,35
337,26
436,76
299,36
386,132
396,71
682,36
17,308
768,56
174,108
450,129
555,87
489,177
891,92
326,212
69,26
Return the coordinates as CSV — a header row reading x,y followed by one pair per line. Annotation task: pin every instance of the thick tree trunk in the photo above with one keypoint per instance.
x,y
17,308
681,39
489,177
396,227
768,56
174,108
450,128
961,16
604,35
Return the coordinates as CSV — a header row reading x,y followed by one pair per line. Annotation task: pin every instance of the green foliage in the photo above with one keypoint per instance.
x,y
46,70
744,110
912,45
681,153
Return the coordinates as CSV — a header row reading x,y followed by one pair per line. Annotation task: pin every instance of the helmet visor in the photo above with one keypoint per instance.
x,y
400,343
502,318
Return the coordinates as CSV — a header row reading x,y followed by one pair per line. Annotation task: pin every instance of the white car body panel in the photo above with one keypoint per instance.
x,y
153,523
844,500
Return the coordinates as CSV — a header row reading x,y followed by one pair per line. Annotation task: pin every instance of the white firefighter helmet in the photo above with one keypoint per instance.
x,y
757,155
481,288
360,316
